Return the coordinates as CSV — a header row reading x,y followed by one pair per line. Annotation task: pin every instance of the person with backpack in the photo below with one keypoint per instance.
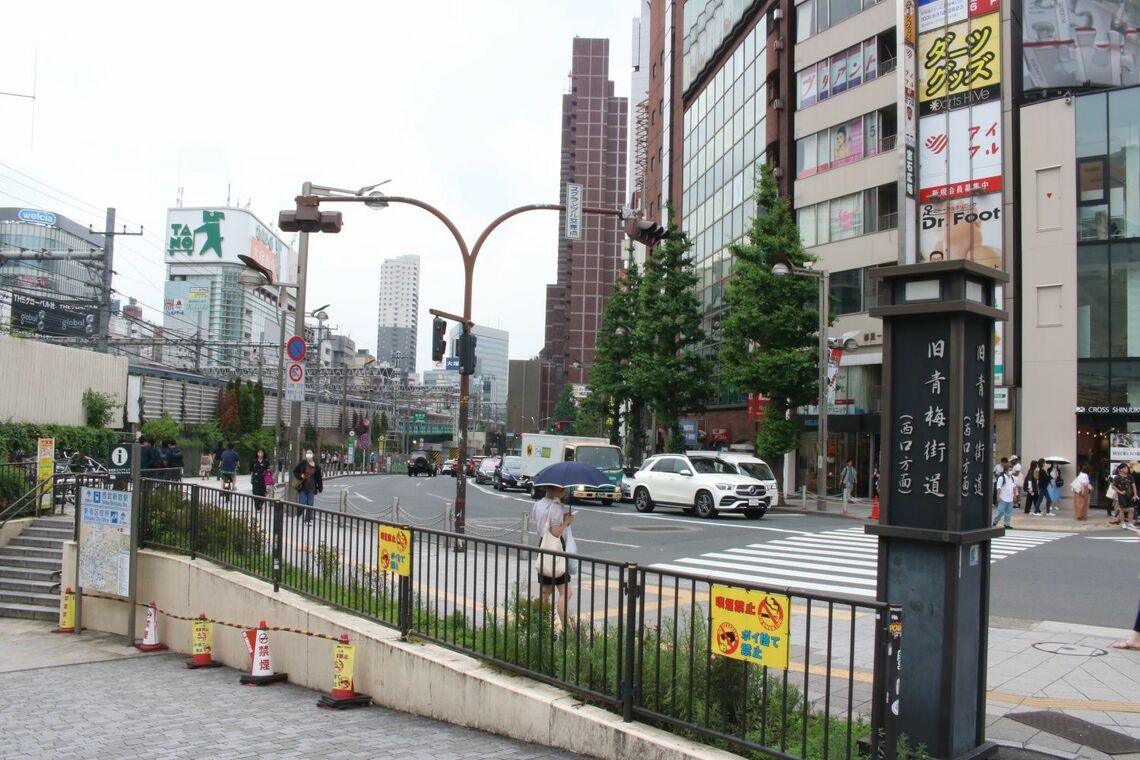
x,y
174,461
1005,494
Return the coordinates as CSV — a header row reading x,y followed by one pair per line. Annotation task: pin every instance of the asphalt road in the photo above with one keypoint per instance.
x,y
1080,578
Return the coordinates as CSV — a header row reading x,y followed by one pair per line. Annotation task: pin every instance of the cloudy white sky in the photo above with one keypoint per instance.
x,y
456,102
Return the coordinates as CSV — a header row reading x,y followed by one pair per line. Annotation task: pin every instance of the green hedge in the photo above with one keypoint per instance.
x,y
21,436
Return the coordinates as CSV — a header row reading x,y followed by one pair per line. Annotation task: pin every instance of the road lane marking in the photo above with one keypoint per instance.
x,y
361,496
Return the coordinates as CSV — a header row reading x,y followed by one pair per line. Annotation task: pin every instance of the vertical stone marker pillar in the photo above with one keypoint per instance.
x,y
937,468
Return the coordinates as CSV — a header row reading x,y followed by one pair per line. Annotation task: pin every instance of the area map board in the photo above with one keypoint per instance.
x,y
105,540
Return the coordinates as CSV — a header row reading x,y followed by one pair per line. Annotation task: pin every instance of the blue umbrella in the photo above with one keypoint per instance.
x,y
566,474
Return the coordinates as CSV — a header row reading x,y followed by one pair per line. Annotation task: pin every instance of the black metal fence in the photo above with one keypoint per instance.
x,y
634,639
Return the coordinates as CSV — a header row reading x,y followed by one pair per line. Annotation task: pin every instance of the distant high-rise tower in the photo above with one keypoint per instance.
x,y
397,316
594,129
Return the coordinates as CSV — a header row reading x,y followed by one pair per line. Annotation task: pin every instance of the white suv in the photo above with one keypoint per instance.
x,y
704,484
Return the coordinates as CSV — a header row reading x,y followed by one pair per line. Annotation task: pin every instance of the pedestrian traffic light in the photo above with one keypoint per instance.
x,y
438,341
466,353
308,217
645,231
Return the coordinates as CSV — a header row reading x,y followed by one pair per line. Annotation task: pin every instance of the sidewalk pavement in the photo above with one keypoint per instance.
x,y
1060,668
91,696
1045,666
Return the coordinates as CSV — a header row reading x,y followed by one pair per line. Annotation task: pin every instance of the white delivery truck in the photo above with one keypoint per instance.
x,y
541,449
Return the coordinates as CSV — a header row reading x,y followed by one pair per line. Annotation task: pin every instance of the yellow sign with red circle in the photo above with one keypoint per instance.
x,y
395,550
753,626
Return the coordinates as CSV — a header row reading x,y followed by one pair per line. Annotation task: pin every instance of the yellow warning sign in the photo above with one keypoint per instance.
x,y
343,657
395,550
751,625
201,637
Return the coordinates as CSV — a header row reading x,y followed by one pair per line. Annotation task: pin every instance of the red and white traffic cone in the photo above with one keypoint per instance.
x,y
67,613
201,644
874,508
260,666
150,633
342,694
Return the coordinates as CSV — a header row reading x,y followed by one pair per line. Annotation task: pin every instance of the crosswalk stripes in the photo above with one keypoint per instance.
x,y
836,561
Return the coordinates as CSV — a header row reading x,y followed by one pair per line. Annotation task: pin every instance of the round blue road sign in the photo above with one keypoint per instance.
x,y
296,348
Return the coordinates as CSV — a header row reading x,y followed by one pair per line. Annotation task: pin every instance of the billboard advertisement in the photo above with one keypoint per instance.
x,y
48,316
181,297
1074,43
210,235
952,170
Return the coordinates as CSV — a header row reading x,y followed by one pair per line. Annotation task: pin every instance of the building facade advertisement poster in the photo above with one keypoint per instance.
x,y
963,228
846,143
960,65
961,153
208,235
1075,43
54,317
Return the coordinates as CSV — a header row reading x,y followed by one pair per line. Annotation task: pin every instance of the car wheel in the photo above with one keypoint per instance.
x,y
641,500
754,514
705,505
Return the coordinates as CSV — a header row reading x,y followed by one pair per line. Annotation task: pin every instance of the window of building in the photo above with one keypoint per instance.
x,y
847,292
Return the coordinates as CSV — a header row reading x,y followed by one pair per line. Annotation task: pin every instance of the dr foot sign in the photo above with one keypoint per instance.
x,y
395,550
752,626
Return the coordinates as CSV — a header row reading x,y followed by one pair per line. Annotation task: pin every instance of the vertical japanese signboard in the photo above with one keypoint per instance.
x,y
908,108
957,169
573,211
45,470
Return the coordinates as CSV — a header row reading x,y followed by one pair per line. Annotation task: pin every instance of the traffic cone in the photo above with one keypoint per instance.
x,y
342,695
67,613
201,644
150,633
874,508
260,667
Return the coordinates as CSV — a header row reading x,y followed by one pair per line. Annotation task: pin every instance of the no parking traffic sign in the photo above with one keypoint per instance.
x,y
296,348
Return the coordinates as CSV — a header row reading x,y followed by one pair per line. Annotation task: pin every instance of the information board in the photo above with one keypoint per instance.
x,y
104,540
752,626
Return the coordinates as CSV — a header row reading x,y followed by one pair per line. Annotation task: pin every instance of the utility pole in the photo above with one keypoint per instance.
x,y
109,236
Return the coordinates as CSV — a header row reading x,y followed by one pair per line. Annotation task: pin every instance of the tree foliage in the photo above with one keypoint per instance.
x,y
666,365
610,382
162,428
565,410
99,408
229,416
771,330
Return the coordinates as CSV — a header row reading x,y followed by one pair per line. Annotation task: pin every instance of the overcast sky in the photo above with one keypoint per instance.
x,y
458,103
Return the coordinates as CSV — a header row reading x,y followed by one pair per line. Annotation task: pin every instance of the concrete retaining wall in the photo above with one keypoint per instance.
x,y
44,383
423,679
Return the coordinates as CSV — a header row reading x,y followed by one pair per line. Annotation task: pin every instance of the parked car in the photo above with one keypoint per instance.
x,y
448,467
509,474
486,471
747,464
698,483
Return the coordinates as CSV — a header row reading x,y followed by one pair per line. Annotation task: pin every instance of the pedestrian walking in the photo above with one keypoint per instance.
x,y
847,477
261,476
549,516
175,462
1055,483
228,470
1133,641
1029,488
1124,495
1044,481
218,451
308,481
1082,494
1005,494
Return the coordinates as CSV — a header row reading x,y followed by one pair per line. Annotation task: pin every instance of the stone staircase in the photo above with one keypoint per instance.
x,y
29,569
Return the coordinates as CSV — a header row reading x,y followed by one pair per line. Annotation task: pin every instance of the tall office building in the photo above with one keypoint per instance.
x,y
593,156
398,314
489,383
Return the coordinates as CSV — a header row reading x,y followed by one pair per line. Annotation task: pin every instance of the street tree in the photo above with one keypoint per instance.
x,y
610,382
666,364
565,410
770,334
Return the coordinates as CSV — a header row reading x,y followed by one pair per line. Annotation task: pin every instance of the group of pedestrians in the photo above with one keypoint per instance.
x,y
160,461
1039,484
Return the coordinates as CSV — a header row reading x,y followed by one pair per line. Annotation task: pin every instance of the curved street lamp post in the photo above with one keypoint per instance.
x,y
376,199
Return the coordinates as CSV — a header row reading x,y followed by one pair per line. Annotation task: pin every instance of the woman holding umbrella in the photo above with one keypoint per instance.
x,y
549,516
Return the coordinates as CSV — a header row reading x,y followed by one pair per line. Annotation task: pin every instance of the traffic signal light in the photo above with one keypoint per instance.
x,y
466,353
309,218
438,341
645,231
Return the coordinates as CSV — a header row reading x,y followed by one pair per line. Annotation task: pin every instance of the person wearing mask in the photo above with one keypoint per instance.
x,y
548,515
228,469
1005,494
310,483
1125,488
1044,481
260,476
1029,486
848,479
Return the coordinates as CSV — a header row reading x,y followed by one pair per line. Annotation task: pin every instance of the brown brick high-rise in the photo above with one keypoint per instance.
x,y
594,129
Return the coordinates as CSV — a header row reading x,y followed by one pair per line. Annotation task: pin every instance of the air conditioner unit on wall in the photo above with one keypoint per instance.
x,y
779,43
777,14
778,172
777,103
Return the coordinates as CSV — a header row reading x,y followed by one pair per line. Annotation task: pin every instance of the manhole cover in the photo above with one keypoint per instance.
x,y
1078,731
1056,647
656,529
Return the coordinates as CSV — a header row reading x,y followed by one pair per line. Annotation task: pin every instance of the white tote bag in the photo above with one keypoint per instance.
x,y
549,565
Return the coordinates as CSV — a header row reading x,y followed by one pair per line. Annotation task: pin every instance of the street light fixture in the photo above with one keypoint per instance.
x,y
781,268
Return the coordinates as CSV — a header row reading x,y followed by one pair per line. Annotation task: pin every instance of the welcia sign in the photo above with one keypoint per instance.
x,y
39,217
